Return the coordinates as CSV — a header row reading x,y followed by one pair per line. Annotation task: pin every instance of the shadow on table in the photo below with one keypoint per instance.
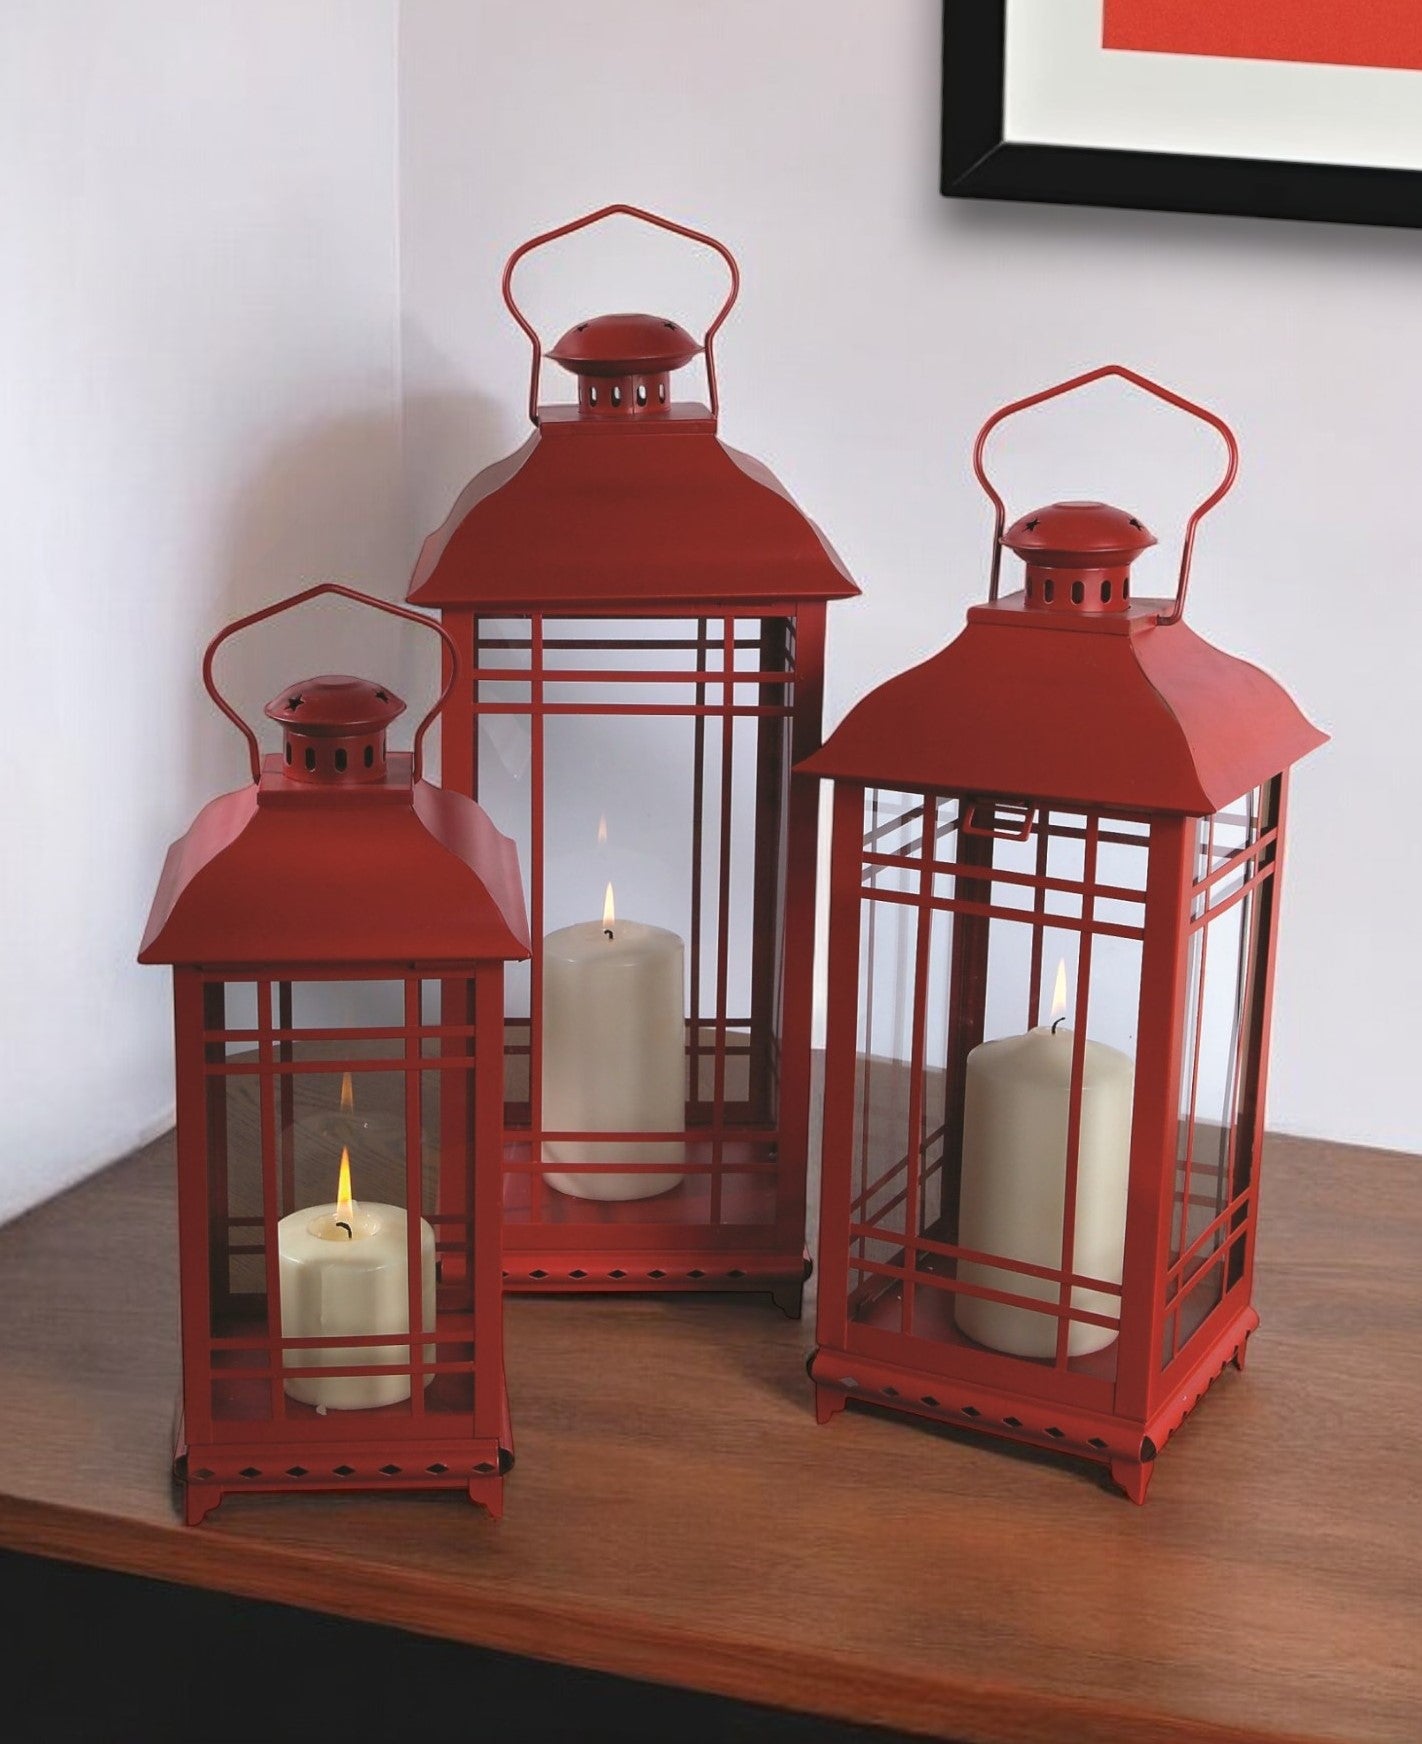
x,y
96,1657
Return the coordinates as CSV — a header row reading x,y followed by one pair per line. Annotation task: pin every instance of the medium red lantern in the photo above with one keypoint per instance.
x,y
1055,875
338,932
641,612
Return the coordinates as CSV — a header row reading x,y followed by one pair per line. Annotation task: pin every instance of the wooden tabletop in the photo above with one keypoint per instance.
x,y
675,1513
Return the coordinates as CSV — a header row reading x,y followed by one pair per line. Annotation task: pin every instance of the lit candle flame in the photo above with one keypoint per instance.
x,y
1059,993
609,913
347,1093
602,831
345,1204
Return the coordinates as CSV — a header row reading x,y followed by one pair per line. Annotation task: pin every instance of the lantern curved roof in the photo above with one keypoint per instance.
x,y
653,512
1115,711
379,873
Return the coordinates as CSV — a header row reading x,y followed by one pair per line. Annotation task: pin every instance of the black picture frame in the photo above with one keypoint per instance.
x,y
979,164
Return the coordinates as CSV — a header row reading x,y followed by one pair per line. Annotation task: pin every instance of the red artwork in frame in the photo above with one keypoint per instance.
x,y
1385,33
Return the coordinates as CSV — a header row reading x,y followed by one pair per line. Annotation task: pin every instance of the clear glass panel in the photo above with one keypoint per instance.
x,y
894,826
310,1193
901,1054
330,1112
974,1101
232,1006
1219,1061
504,785
647,772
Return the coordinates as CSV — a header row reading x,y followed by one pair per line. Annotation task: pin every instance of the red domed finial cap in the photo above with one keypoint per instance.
x,y
1078,555
334,728
624,362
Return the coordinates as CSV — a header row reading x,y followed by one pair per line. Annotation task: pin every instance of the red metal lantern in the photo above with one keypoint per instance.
x,y
641,610
338,932
1038,1213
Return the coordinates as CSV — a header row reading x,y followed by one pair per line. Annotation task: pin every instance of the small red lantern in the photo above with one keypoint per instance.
x,y
1054,899
338,932
641,610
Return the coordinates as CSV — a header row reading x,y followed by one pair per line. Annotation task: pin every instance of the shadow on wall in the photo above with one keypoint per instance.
x,y
349,499
324,505
334,502
447,439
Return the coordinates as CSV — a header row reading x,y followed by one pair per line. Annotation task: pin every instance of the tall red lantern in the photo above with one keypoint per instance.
x,y
1038,1215
338,932
641,612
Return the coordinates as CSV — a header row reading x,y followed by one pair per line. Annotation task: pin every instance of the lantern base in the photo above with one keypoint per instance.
x,y
643,1271
1127,1449
209,1472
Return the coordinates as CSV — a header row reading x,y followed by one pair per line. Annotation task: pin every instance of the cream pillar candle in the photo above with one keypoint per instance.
x,y
614,1050
345,1268
1014,1184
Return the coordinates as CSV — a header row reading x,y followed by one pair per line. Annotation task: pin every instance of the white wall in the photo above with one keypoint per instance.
x,y
198,412
880,323
201,408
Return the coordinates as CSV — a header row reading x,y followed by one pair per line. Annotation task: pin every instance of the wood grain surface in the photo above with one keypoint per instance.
x,y
676,1515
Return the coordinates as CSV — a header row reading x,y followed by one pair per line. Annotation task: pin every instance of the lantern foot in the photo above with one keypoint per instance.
x,y
488,1493
1133,1476
1238,1358
198,1502
829,1402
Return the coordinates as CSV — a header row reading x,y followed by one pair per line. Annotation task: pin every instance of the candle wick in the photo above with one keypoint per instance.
x,y
607,932
350,1233
1061,1019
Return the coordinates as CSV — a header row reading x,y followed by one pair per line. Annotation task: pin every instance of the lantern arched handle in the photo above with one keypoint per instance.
x,y
1161,393
254,750
660,223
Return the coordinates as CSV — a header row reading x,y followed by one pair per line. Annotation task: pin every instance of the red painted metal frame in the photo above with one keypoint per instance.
x,y
1120,1412
657,539
334,878
750,1233
291,1447
889,1251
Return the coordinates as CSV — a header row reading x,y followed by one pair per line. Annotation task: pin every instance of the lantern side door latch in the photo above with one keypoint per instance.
x,y
1004,819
